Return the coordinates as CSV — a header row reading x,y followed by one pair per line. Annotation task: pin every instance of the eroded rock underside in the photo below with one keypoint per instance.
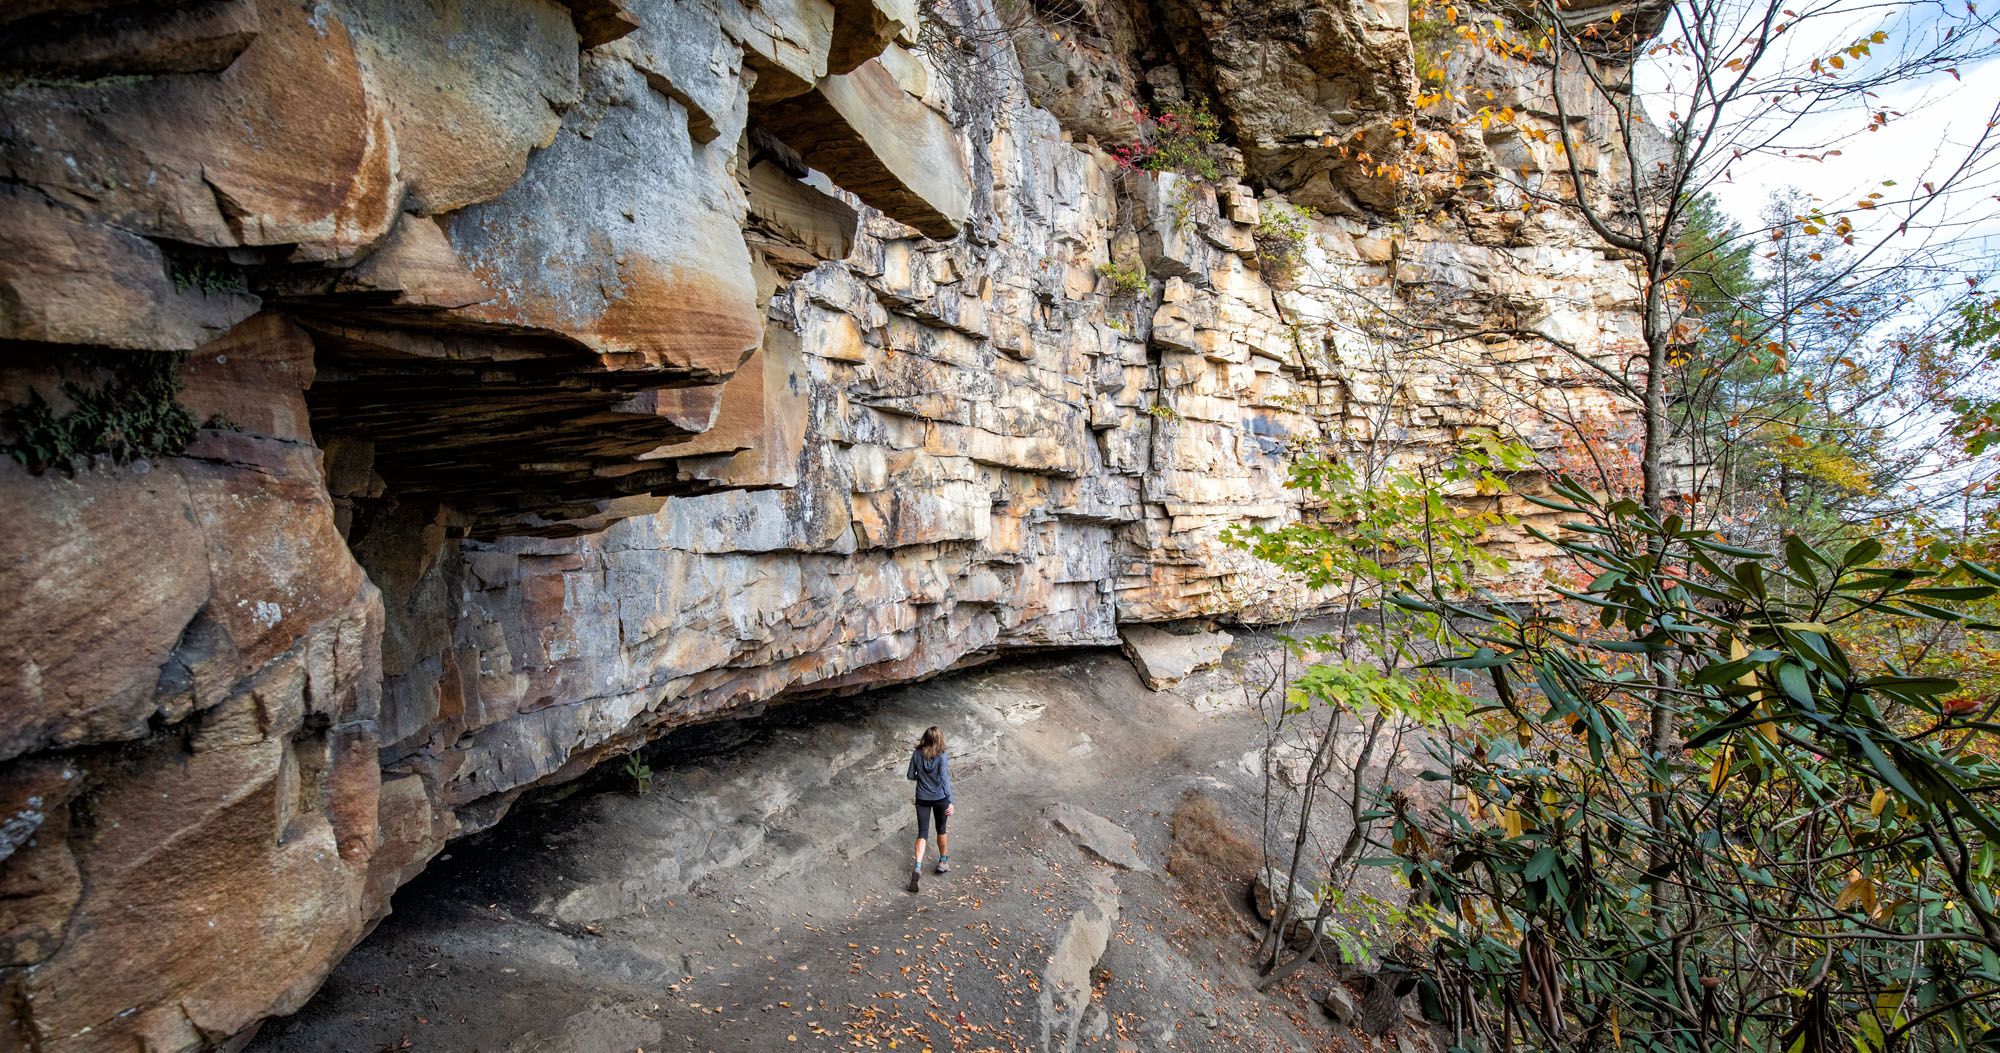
x,y
574,371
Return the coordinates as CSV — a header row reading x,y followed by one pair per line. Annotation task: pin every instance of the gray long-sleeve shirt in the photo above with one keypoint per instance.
x,y
932,776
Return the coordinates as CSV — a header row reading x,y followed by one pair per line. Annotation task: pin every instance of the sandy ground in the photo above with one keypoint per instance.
x,y
753,898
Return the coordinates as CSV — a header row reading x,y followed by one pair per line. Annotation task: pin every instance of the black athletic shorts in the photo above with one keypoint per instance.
x,y
925,811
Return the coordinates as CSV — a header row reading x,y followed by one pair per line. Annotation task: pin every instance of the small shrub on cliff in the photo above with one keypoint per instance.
x,y
132,411
206,276
1185,203
1179,139
1283,231
1128,276
640,772
1430,40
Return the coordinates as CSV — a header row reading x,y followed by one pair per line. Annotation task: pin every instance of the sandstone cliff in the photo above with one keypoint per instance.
x,y
559,373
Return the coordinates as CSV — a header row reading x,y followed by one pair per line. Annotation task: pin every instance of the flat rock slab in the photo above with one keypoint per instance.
x,y
1065,993
1165,658
1099,836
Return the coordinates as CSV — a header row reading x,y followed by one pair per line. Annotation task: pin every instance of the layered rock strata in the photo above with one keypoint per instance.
x,y
571,371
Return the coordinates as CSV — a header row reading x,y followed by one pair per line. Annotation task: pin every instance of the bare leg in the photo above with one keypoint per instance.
x,y
920,849
942,849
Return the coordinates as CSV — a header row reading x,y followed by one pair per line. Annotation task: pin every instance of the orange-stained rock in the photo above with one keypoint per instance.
x,y
255,378
417,264
275,565
759,429
469,87
883,144
210,676
625,234
207,892
45,40
67,280
282,147
323,123
87,636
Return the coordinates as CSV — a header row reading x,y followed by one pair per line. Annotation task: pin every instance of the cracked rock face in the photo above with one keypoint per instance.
x,y
574,371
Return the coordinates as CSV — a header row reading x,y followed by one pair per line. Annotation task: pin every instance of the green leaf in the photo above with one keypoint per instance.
x,y
1483,658
1725,672
1981,571
1540,865
1584,597
1911,685
1730,550
1555,505
1862,552
1792,679
1883,765
1800,557
1929,610
1953,593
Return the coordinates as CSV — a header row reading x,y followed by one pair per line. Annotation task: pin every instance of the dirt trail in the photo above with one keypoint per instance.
x,y
754,900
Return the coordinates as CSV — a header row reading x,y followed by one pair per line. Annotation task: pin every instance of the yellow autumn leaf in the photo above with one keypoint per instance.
x,y
1878,802
1859,891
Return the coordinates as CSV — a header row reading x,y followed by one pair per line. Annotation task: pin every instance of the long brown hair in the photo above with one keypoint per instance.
x,y
933,741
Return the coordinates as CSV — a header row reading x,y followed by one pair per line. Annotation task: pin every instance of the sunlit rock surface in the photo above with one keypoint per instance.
x,y
574,371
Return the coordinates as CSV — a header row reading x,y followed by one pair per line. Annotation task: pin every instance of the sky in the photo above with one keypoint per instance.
x,y
1941,117
1939,120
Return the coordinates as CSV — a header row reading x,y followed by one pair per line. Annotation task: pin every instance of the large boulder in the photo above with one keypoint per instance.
x,y
1099,836
1165,658
1273,895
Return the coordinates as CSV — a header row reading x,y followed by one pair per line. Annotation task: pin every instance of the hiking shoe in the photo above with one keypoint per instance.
x,y
944,866
913,878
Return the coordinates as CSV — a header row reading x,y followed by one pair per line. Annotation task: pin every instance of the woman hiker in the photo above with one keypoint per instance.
x,y
929,770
